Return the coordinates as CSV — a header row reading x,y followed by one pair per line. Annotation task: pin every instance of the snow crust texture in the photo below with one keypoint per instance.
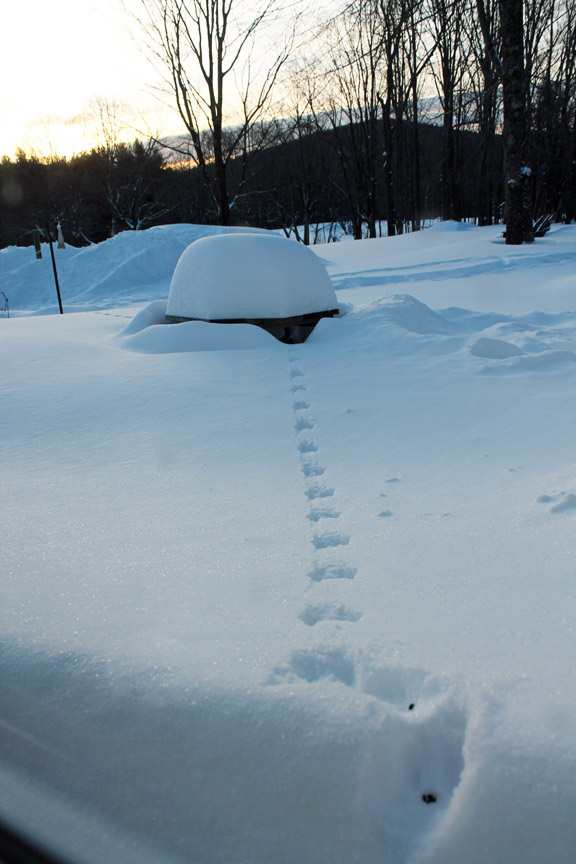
x,y
279,604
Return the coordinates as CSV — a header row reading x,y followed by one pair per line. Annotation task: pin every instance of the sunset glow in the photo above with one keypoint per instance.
x,y
55,60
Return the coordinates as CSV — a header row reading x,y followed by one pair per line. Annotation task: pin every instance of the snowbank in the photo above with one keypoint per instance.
x,y
132,267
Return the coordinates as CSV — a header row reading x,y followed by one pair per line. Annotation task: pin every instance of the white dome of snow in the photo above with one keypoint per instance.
x,y
244,276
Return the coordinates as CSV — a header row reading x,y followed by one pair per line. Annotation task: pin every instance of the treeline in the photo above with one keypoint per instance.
x,y
307,177
399,117
92,195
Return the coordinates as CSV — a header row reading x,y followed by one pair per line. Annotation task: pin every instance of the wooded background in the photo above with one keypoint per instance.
x,y
390,113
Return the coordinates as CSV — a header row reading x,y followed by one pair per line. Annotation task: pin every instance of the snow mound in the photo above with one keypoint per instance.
x,y
249,276
198,336
543,361
409,313
401,311
147,334
495,349
152,314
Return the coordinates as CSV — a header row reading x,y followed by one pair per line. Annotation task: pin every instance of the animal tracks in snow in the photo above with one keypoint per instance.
x,y
330,538
335,663
317,513
332,571
307,447
320,506
385,514
315,612
414,756
561,502
303,423
316,490
312,469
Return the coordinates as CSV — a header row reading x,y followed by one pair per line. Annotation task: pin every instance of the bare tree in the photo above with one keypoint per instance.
x,y
515,86
206,48
485,76
567,74
517,172
447,26
350,112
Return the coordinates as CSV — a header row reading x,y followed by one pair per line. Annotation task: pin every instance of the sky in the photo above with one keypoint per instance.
x,y
58,56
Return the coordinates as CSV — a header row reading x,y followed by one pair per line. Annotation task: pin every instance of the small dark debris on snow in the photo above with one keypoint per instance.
x,y
411,706
429,798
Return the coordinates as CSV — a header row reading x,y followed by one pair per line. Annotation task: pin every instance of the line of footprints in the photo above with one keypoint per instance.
x,y
330,559
411,762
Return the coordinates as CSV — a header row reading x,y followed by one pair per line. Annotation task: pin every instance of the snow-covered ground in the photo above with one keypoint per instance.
x,y
307,604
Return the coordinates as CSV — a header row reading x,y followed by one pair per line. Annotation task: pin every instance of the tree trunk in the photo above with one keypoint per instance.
x,y
391,217
448,172
571,202
516,171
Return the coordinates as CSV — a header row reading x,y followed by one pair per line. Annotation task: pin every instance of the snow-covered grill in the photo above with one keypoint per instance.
x,y
260,279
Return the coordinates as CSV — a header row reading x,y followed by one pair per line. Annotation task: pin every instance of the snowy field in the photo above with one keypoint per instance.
x,y
313,604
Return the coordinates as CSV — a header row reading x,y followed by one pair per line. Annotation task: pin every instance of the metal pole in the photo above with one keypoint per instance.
x,y
55,273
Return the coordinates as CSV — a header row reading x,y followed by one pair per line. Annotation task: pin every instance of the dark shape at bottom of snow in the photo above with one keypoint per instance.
x,y
290,330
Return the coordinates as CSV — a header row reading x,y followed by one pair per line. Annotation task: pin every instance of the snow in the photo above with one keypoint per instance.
x,y
249,276
133,267
264,602
148,333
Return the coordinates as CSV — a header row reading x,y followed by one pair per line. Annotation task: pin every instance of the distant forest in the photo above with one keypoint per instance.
x,y
405,114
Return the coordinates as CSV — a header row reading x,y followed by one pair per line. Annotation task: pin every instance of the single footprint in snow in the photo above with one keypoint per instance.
x,y
314,613
336,664
567,503
303,423
300,405
332,571
296,387
296,373
328,539
562,501
316,490
385,514
307,447
312,469
318,513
